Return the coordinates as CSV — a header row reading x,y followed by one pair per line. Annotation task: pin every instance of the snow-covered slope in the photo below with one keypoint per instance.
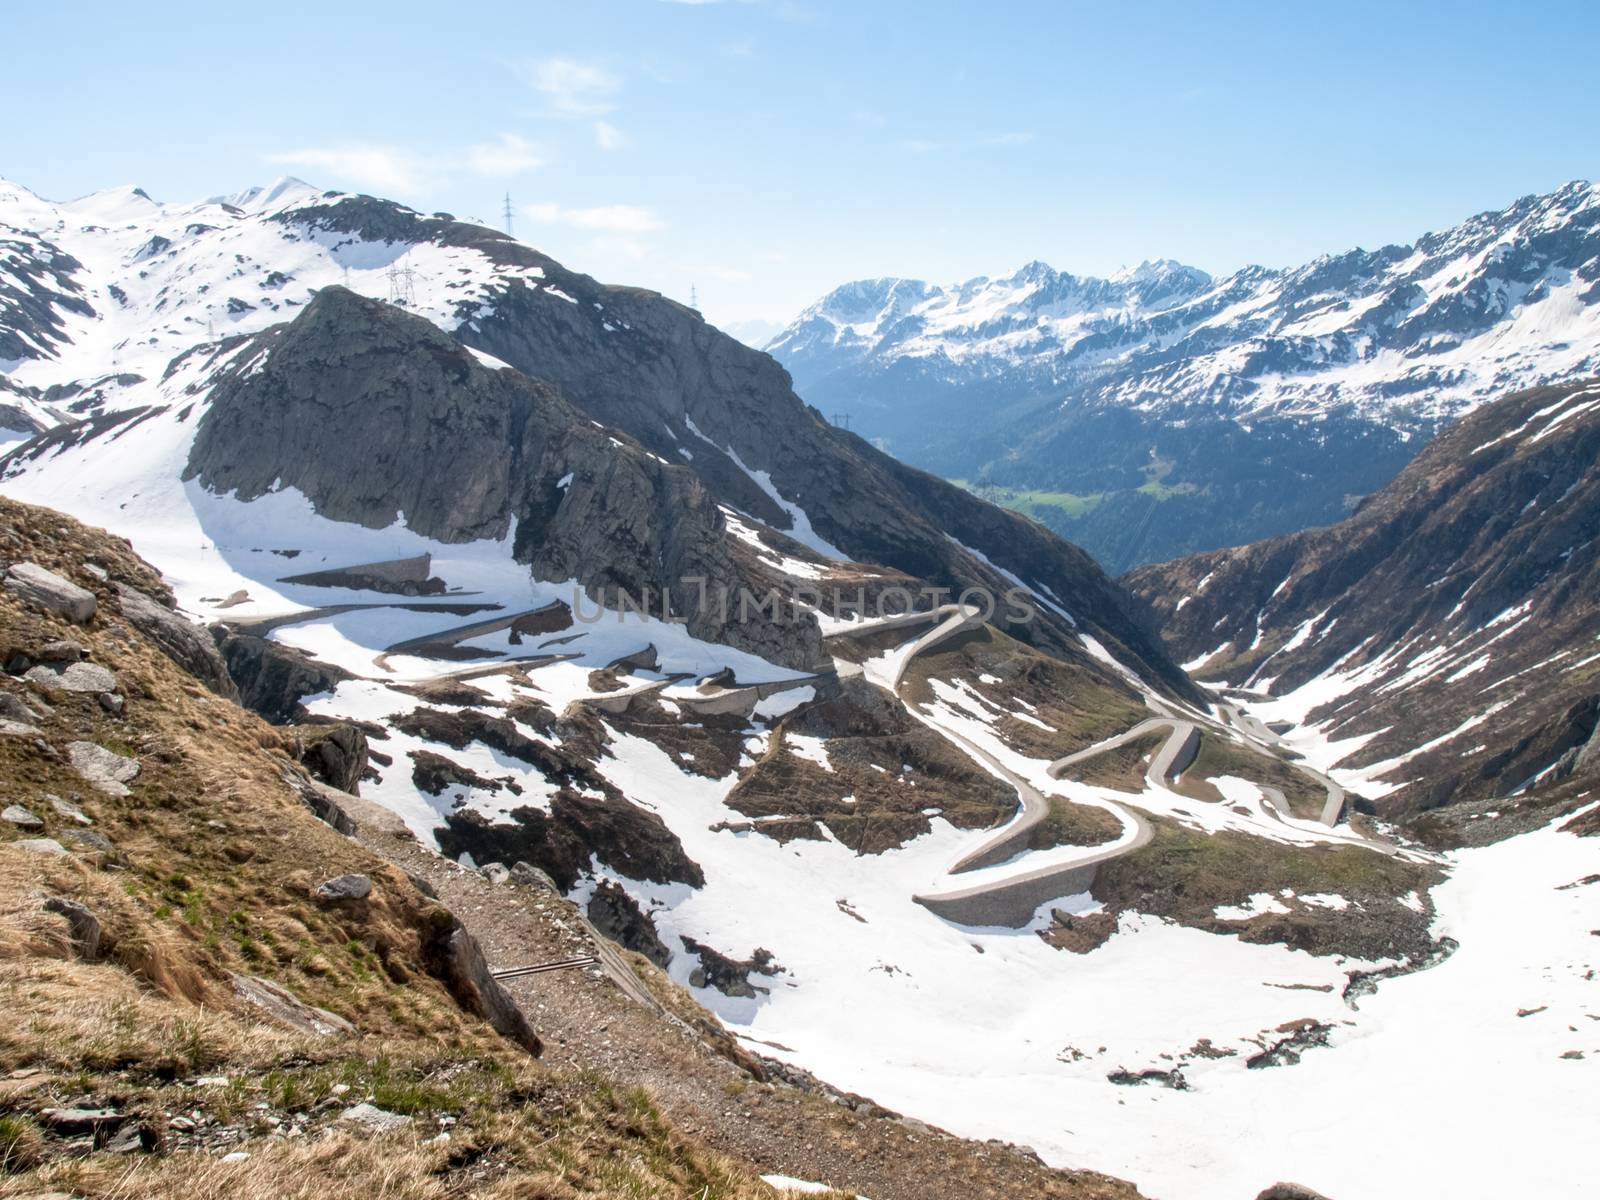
x,y
400,517
1337,370
1446,637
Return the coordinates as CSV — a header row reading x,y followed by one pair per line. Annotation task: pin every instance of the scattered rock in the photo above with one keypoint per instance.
x,y
21,817
105,770
91,839
84,925
73,677
1290,1191
374,1119
41,846
235,1156
78,1120
345,887
17,729
34,585
112,703
97,571
63,651
283,1006
14,708
730,976
71,811
495,872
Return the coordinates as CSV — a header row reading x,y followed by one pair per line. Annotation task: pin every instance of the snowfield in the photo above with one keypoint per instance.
x,y
1422,1087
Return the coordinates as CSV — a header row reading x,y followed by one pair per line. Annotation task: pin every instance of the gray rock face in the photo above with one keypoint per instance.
x,y
105,770
21,817
271,677
353,372
345,887
73,677
35,586
191,647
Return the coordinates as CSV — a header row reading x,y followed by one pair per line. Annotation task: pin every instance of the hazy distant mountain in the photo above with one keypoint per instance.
x,y
1163,411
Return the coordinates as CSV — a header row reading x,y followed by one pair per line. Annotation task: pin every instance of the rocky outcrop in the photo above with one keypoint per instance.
x,y
273,678
692,396
453,956
615,914
334,753
577,828
186,643
505,449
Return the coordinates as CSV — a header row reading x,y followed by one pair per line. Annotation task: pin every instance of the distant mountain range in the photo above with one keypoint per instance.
x,y
1163,411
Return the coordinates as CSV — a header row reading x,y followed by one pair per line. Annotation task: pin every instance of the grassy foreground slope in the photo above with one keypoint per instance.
x,y
184,1015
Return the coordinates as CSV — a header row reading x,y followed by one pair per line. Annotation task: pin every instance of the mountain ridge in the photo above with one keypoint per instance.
x,y
1101,407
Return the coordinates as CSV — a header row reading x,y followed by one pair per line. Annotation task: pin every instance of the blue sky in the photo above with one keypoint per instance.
x,y
768,150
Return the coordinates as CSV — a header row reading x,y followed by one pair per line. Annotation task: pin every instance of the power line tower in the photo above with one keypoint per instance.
x,y
508,215
842,420
402,284
694,298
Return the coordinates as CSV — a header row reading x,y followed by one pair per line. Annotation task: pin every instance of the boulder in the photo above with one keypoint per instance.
x,y
64,651
71,811
35,586
1290,1191
41,846
15,708
181,640
335,753
73,677
21,817
453,956
614,914
105,770
495,872
17,729
83,924
345,887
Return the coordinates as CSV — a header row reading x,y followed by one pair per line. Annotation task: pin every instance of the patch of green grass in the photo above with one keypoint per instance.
x,y
1028,501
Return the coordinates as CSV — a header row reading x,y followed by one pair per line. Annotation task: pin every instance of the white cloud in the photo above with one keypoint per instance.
x,y
608,137
727,274
605,218
381,168
573,88
509,154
